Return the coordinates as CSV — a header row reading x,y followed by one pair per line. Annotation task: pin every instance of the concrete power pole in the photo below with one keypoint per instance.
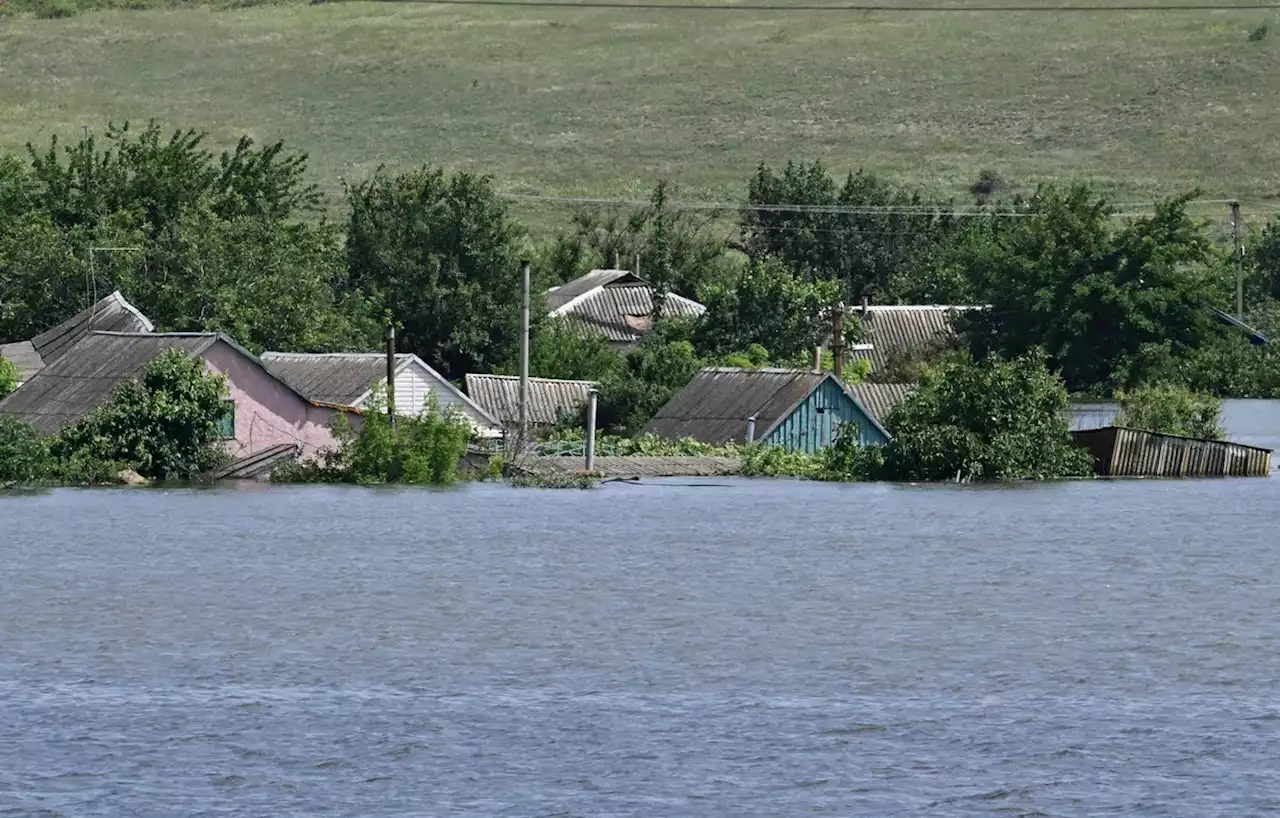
x,y
1238,251
524,353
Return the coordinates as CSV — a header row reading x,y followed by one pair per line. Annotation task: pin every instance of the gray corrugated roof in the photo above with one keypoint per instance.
x,y
23,355
111,314
615,303
549,399
557,297
715,405
880,398
893,330
337,378
82,379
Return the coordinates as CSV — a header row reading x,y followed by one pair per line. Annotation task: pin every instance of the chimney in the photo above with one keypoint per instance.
x,y
865,302
837,343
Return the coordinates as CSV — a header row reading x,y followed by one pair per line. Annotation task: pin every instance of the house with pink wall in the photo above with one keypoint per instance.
x,y
263,412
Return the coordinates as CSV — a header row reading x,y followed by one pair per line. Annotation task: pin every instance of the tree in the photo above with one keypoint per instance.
x,y
163,426
440,254
678,249
1171,409
770,306
564,350
24,453
990,420
865,247
1091,294
662,364
227,242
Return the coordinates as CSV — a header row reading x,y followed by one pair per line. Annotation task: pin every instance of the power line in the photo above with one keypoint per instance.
x,y
644,5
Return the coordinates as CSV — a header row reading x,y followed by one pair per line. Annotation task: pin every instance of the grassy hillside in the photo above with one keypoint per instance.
x,y
606,101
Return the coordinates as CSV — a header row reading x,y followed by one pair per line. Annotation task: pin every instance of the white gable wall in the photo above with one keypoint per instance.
x,y
414,387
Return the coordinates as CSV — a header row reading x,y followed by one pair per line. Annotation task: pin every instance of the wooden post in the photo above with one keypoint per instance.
x,y
524,354
391,376
591,430
1238,251
837,343
817,358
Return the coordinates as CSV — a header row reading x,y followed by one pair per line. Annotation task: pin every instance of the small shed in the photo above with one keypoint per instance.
x,y
799,410
1119,451
349,379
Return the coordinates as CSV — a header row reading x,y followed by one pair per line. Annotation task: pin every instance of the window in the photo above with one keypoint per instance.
x,y
227,423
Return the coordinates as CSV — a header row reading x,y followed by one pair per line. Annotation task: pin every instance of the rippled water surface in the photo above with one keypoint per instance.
x,y
751,648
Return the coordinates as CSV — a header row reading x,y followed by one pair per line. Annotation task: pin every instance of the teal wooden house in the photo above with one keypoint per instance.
x,y
799,410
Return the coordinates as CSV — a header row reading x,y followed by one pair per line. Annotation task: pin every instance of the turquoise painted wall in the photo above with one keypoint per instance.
x,y
816,422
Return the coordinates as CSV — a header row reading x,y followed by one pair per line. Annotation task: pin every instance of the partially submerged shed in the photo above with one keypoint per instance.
x,y
1119,451
896,332
550,400
799,410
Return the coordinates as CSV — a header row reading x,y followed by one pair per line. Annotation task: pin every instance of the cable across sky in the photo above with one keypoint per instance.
x,y
877,8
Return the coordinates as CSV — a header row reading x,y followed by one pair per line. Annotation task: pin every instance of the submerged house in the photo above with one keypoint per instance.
x,y
618,304
263,412
352,379
111,314
799,410
550,400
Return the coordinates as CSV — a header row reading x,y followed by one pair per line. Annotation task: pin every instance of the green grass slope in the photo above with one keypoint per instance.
x,y
607,101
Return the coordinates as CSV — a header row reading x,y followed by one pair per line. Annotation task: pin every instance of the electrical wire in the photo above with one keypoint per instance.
x,y
644,5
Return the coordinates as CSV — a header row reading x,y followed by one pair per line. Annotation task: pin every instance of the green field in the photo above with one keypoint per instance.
x,y
607,101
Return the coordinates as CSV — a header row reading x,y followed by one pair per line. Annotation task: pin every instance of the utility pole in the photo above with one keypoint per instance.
x,y
837,343
591,431
391,377
1238,251
524,353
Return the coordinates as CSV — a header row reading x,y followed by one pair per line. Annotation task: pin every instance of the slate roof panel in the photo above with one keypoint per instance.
x,y
549,399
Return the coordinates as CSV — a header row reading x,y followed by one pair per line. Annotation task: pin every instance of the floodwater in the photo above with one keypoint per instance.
x,y
740,649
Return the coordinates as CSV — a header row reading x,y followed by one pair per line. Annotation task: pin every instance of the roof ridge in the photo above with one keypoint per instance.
x,y
531,377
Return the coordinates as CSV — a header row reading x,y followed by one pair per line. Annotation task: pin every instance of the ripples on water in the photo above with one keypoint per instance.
x,y
757,648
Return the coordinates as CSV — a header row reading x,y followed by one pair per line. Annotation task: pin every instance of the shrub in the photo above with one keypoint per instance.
x,y
1171,409
166,425
24,453
1259,34
8,377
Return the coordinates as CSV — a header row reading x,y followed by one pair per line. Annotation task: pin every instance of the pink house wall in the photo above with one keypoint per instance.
x,y
268,412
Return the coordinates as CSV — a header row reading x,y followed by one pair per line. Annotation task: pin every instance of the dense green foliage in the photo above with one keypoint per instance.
x,y
566,350
24,453
1171,409
1107,302
440,255
8,377
422,450
987,420
163,426
199,241
868,251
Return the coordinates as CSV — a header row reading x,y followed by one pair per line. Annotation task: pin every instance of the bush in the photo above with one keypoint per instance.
x,y
423,450
989,420
9,376
774,461
1171,409
24,453
165,426
1259,34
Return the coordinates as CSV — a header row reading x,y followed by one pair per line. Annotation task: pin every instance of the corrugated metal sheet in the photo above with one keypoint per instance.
x,y
79,381
557,297
111,314
259,464
893,331
879,399
549,399
23,355
715,405
1122,452
341,379
615,303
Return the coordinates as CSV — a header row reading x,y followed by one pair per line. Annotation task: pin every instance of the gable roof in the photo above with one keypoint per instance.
x,y
348,378
110,314
894,330
80,380
615,303
23,355
549,399
880,399
715,405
